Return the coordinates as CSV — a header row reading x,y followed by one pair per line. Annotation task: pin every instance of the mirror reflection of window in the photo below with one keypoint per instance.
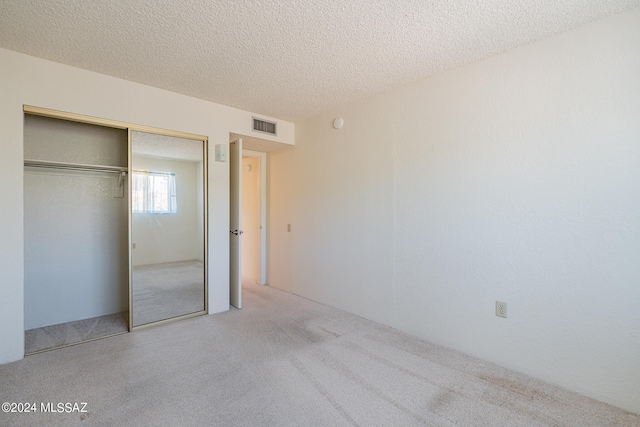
x,y
153,192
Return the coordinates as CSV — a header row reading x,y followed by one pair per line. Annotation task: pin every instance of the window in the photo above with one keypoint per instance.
x,y
153,192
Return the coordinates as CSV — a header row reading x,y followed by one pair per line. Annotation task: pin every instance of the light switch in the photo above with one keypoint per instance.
x,y
221,152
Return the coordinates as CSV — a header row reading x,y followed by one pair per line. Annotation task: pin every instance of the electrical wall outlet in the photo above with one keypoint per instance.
x,y
501,309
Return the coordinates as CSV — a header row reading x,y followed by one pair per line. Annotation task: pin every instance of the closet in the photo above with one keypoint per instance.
x,y
75,232
78,274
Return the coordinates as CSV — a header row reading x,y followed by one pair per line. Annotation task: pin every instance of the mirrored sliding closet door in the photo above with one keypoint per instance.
x,y
168,227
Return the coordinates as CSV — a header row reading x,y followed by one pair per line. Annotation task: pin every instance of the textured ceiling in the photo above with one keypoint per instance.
x,y
166,147
288,59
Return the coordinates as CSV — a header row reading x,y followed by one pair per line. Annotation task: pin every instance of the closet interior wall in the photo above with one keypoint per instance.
x,y
76,223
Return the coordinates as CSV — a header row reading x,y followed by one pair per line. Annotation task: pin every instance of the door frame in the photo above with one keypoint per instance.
x,y
262,226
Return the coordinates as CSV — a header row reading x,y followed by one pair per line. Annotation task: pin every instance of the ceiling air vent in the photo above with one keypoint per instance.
x,y
264,126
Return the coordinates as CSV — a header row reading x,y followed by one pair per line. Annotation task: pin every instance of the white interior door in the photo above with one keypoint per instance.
x,y
235,224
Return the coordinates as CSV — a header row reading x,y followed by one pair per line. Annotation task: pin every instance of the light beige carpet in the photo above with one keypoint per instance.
x,y
285,361
63,334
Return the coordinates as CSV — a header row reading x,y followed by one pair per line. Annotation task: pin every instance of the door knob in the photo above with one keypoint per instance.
x,y
237,232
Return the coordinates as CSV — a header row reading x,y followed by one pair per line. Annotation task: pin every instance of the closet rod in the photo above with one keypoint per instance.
x,y
75,166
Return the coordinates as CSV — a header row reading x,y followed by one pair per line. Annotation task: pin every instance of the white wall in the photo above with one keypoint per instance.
x,y
33,81
76,262
250,218
516,178
173,237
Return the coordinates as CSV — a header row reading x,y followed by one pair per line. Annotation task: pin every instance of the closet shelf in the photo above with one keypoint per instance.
x,y
75,166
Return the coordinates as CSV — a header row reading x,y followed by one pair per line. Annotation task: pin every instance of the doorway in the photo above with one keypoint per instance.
x,y
251,147
254,151
254,216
